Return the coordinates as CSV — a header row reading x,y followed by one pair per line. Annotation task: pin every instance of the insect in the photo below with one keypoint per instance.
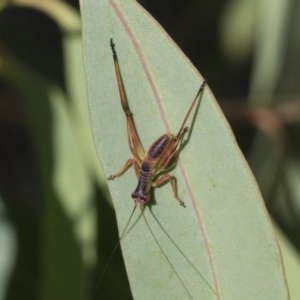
x,y
150,166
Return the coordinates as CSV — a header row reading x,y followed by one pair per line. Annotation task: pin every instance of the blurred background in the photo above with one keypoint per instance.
x,y
52,192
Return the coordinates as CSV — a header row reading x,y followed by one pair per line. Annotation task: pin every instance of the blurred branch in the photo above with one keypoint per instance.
x,y
269,120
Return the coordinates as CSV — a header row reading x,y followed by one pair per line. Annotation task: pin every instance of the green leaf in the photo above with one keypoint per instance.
x,y
222,245
60,248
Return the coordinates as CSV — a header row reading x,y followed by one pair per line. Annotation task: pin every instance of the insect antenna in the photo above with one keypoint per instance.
x,y
164,254
113,251
183,254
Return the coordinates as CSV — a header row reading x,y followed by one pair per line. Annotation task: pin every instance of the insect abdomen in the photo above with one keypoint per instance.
x,y
159,146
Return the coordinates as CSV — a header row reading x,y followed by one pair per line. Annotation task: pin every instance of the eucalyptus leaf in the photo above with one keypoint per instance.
x,y
222,245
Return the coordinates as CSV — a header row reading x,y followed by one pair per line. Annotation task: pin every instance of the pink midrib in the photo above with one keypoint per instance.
x,y
180,165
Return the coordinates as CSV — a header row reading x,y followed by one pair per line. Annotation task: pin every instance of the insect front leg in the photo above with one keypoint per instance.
x,y
130,162
167,177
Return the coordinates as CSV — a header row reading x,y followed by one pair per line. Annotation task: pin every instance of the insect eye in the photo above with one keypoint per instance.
x,y
145,198
134,195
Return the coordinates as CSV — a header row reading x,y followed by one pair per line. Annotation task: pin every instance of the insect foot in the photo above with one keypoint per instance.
x,y
181,203
111,177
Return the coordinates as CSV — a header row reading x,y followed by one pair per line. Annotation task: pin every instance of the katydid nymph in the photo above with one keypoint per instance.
x,y
151,167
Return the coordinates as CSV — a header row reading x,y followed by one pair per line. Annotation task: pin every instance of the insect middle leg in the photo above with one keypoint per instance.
x,y
167,177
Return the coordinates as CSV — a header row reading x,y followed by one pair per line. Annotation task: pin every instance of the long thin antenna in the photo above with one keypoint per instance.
x,y
114,250
183,254
164,254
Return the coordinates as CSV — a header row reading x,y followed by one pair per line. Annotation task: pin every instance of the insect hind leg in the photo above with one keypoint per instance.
x,y
134,142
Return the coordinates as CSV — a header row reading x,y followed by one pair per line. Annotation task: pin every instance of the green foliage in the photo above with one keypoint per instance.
x,y
224,233
221,246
